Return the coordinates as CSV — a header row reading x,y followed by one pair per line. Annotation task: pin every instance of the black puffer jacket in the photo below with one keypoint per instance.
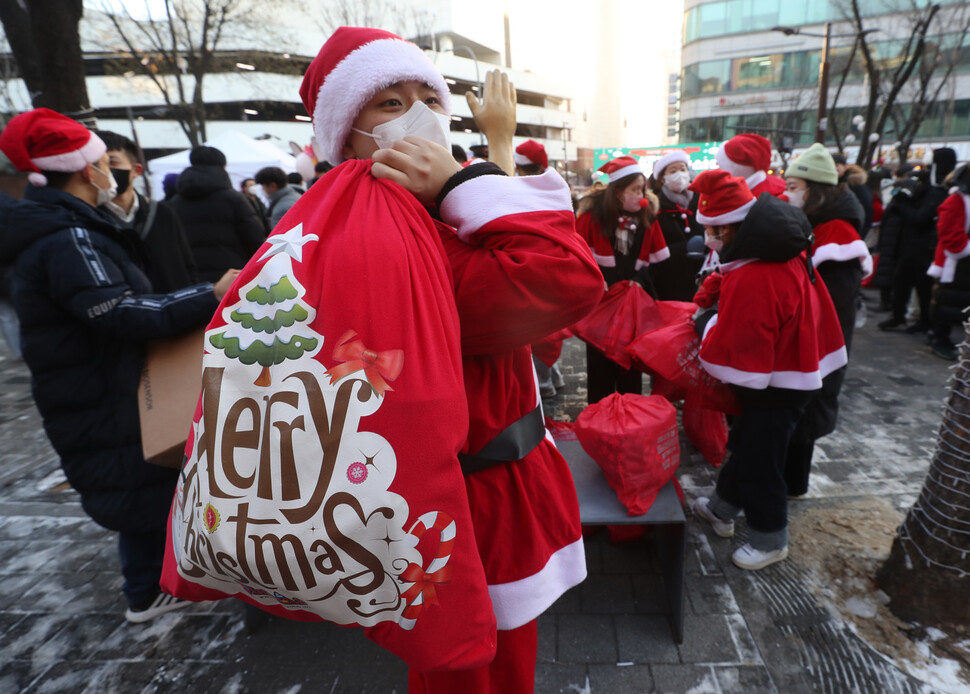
x,y
221,226
675,278
85,312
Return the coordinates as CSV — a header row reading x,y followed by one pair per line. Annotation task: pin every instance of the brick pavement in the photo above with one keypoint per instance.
x,y
62,629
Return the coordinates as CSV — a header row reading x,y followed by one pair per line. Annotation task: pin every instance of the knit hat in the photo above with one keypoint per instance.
x,y
668,159
354,64
618,168
723,198
944,161
815,164
531,153
204,155
44,140
744,154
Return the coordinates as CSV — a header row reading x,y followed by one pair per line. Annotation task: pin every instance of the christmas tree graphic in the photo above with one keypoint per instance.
x,y
268,325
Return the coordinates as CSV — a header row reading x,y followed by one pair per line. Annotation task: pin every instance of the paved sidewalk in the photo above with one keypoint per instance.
x,y
61,610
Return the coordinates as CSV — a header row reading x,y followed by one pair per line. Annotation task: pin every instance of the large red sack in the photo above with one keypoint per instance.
x,y
634,439
322,479
706,429
548,349
673,352
624,312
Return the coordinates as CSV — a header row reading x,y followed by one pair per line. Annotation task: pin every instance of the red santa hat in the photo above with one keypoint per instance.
x,y
531,153
354,64
745,154
620,167
44,140
668,159
722,198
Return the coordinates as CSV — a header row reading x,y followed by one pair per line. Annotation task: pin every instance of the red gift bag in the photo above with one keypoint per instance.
x,y
672,352
634,439
624,312
322,479
548,349
706,429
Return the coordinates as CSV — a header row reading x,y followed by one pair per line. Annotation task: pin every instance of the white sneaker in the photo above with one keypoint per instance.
x,y
721,528
162,603
747,557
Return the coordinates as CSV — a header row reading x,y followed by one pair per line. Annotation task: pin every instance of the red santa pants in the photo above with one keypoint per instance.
x,y
512,672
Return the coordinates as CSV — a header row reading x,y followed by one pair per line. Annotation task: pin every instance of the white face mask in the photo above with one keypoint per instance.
x,y
714,243
796,197
420,121
106,194
677,181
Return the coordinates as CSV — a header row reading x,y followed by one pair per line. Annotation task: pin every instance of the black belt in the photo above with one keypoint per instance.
x,y
512,443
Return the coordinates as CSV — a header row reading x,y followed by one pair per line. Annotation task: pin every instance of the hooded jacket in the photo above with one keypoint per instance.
x,y
222,228
86,310
775,326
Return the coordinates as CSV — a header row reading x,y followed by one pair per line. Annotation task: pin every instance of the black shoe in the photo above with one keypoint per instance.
x,y
948,352
891,323
917,328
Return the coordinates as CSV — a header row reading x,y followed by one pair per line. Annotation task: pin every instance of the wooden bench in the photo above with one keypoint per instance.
x,y
598,505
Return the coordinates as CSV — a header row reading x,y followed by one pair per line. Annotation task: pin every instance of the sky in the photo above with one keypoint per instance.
x,y
555,40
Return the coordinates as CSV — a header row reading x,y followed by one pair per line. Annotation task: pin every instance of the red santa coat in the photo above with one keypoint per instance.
x,y
952,244
839,241
521,272
774,327
653,250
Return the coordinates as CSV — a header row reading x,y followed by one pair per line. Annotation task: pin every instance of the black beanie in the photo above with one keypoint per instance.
x,y
206,156
944,161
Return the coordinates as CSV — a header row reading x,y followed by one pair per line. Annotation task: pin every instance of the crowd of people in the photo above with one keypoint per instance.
x,y
98,270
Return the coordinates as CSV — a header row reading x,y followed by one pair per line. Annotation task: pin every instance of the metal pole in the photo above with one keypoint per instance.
x,y
823,87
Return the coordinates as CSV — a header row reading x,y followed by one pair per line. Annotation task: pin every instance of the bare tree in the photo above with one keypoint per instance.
x,y
935,71
927,574
886,78
178,50
332,14
44,38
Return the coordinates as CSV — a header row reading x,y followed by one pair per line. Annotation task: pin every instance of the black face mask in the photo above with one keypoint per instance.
x,y
123,178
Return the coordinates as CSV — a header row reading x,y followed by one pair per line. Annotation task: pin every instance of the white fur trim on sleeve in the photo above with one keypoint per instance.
x,y
660,255
360,75
843,252
483,199
935,271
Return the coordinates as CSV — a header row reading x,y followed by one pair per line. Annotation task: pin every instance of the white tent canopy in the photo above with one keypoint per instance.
x,y
244,157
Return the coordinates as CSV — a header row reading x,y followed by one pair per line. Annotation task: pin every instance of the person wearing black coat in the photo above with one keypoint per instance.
x,y
221,226
168,261
86,311
676,278
917,242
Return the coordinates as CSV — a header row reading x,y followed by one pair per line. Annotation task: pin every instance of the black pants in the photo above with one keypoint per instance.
x,y
605,377
752,478
911,274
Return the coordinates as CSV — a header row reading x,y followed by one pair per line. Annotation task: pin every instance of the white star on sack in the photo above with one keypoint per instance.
x,y
290,243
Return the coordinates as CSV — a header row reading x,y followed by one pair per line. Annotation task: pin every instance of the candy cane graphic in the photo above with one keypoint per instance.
x,y
423,589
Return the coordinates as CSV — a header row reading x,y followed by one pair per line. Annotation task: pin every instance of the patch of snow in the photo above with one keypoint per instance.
x,y
860,607
706,686
935,634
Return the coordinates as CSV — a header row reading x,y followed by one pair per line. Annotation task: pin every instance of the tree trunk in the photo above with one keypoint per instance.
x,y
16,26
927,574
54,24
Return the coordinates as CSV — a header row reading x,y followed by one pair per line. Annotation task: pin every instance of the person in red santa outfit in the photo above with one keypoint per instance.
x,y
520,273
773,338
617,224
950,265
749,156
676,279
530,159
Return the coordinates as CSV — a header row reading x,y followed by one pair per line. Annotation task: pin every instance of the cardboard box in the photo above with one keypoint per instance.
x,y
167,396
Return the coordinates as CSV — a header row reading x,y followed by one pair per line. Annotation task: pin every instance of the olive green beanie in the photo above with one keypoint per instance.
x,y
814,164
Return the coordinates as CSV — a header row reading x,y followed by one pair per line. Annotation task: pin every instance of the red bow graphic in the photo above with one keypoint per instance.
x,y
376,365
424,584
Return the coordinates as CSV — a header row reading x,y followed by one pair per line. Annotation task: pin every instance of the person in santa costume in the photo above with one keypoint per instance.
x,y
618,227
950,265
842,260
773,338
87,310
749,156
530,159
520,273
676,278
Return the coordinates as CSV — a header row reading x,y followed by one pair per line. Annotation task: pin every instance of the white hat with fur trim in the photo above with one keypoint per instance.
x,y
668,159
354,64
